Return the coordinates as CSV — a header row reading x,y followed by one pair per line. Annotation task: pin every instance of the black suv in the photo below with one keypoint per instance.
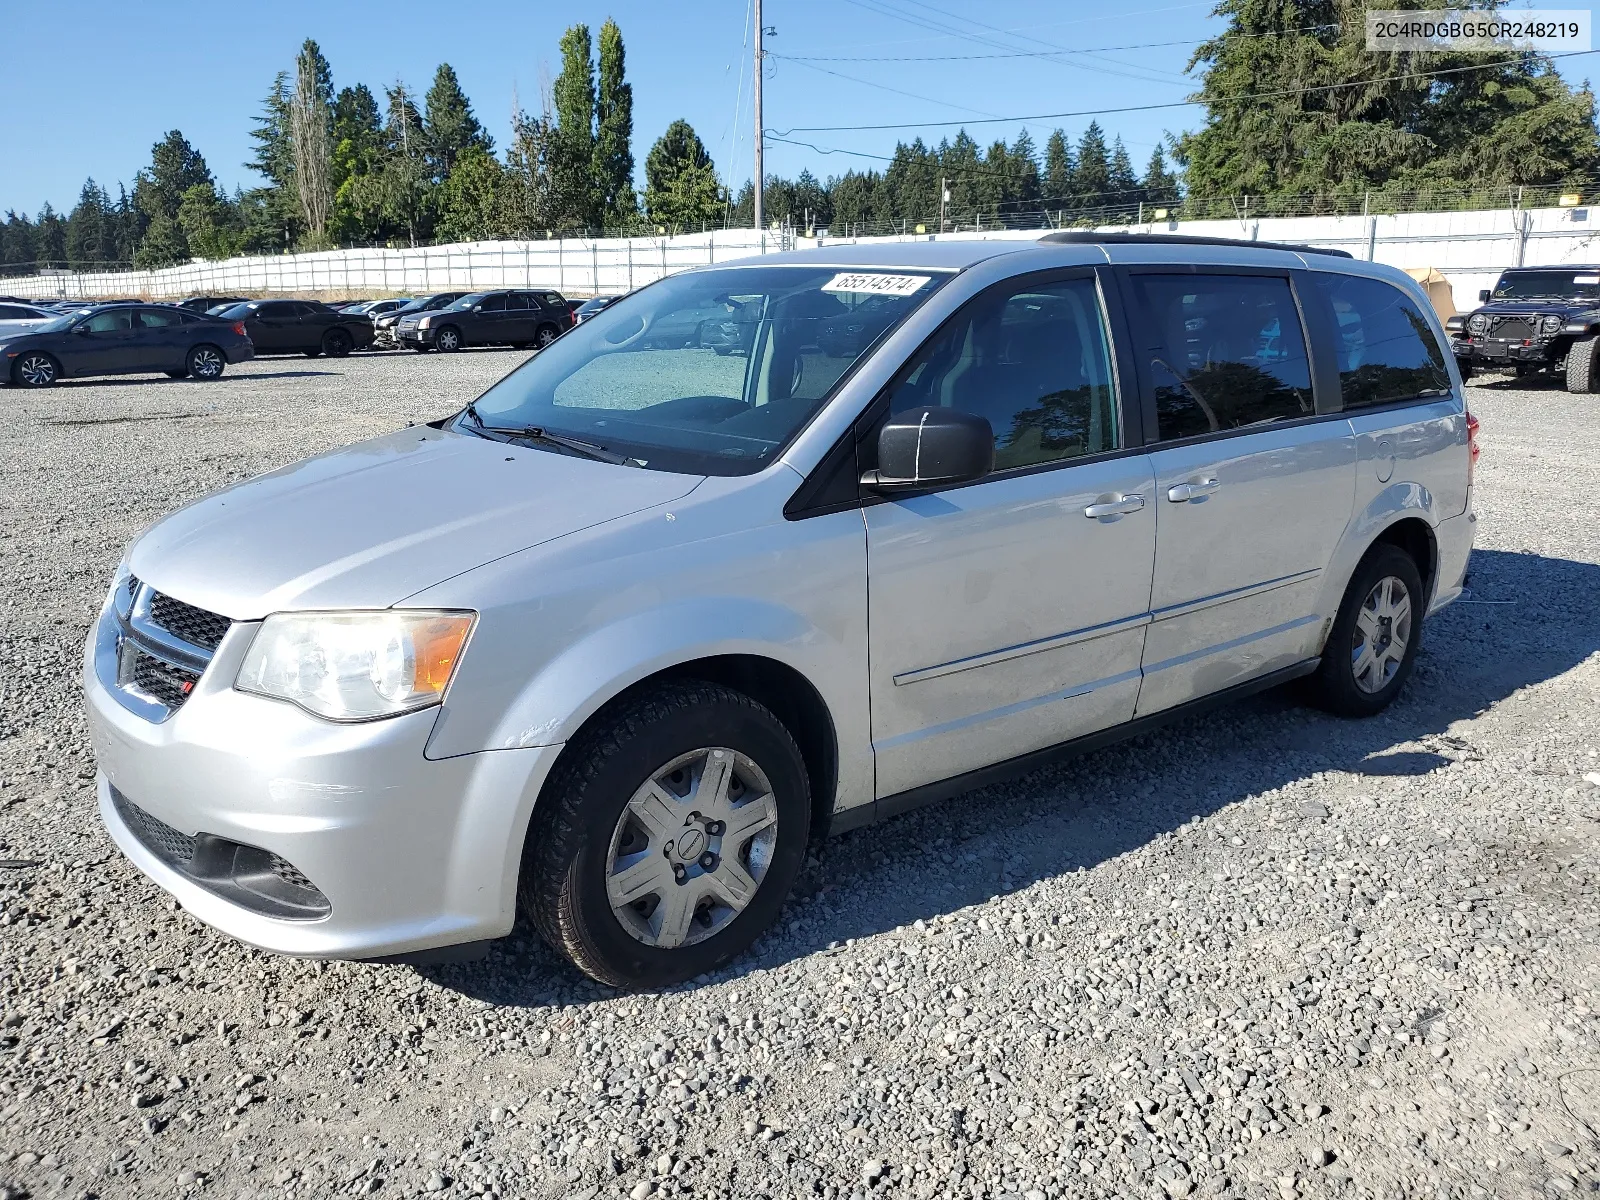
x,y
510,318
1534,319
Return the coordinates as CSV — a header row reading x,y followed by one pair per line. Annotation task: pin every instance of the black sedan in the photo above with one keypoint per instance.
x,y
300,326
123,339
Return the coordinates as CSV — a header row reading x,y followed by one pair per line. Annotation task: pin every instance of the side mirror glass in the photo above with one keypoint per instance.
x,y
1483,295
932,447
81,329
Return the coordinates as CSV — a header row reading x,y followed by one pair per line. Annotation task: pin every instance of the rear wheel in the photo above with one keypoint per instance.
x,y
206,362
336,343
35,368
668,837
1581,367
544,335
1374,640
448,339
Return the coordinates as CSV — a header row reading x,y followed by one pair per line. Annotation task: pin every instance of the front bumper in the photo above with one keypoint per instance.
x,y
410,854
416,337
1491,350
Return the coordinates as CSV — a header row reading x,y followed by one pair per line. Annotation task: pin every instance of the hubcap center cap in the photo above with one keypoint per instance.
x,y
691,842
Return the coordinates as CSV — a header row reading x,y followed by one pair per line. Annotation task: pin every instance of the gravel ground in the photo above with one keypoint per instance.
x,y
1261,953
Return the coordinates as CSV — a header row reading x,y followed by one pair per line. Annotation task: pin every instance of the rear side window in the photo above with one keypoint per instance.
x,y
1230,352
1034,362
1385,349
275,308
152,318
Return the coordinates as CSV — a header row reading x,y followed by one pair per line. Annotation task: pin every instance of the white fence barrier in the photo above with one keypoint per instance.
x,y
1470,248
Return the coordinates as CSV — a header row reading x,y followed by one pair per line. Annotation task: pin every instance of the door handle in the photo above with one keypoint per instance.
x,y
1183,492
1114,506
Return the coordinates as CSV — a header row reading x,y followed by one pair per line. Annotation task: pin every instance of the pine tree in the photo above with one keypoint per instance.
x,y
158,191
18,247
613,144
449,125
357,157
89,240
572,181
1060,172
470,201
1092,179
681,188
50,239
1123,183
404,192
1160,186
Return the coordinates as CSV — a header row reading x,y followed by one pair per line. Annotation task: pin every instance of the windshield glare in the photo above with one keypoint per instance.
x,y
56,325
708,372
467,302
1548,285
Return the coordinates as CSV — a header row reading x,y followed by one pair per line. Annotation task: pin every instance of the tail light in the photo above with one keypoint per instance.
x,y
1473,449
238,327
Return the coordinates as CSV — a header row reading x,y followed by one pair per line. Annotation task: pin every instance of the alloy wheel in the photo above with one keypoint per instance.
x,y
1382,633
448,340
545,336
691,848
36,370
205,363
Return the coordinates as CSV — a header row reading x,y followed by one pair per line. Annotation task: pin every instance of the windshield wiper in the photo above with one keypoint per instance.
x,y
537,433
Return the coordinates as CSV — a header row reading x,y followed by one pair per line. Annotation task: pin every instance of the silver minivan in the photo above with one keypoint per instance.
x,y
766,550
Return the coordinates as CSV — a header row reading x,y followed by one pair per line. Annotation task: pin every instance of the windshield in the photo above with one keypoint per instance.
x,y
1548,285
56,325
708,372
595,305
467,302
234,312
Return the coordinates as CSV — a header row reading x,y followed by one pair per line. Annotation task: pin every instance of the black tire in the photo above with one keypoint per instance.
x,y
1335,686
35,369
1581,367
205,363
563,883
447,340
544,335
336,343
177,374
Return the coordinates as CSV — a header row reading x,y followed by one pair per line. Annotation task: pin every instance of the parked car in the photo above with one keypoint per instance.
x,y
385,327
122,339
15,317
380,308
508,318
300,326
202,304
618,639
589,307
1535,319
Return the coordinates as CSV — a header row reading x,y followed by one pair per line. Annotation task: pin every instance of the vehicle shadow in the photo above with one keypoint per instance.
x,y
1088,810
1519,383
162,380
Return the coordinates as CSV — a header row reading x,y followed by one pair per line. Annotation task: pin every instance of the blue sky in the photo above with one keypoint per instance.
x,y
136,70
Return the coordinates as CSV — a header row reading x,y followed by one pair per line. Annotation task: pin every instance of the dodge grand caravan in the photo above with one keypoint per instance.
x,y
616,640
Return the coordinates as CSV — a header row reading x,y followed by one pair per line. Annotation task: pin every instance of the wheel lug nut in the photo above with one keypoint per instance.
x,y
715,828
708,860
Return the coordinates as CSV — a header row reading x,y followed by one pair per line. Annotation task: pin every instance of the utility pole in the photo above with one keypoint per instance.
x,y
944,192
760,180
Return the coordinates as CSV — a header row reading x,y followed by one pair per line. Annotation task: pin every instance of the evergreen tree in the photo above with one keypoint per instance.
x,y
404,192
449,126
1124,184
572,180
18,244
613,144
1160,186
1060,171
50,239
357,158
158,191
210,223
681,188
89,241
128,225
1092,179
271,215
525,195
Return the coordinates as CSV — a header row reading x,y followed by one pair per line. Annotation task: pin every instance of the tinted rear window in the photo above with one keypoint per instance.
x,y
1385,348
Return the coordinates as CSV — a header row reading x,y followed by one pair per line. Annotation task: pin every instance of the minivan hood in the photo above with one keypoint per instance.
x,y
369,525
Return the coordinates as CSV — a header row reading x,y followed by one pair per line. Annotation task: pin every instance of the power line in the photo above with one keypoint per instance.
x,y
817,58
1100,112
882,86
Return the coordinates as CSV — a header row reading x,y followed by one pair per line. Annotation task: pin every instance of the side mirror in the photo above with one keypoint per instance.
x,y
932,447
1483,295
477,308
81,329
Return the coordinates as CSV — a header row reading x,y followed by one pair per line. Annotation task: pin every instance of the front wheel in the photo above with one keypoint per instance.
x,y
1581,367
35,369
668,836
205,362
448,339
1374,640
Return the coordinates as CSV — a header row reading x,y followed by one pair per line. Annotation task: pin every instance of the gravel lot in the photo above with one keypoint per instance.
x,y
1262,953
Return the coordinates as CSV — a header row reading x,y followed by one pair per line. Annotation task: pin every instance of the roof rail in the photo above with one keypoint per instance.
x,y
1090,237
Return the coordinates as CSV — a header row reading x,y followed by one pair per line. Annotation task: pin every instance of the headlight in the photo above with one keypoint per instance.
x,y
1551,325
425,322
355,666
1478,324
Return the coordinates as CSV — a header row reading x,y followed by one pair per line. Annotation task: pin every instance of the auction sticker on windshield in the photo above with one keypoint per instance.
x,y
875,284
